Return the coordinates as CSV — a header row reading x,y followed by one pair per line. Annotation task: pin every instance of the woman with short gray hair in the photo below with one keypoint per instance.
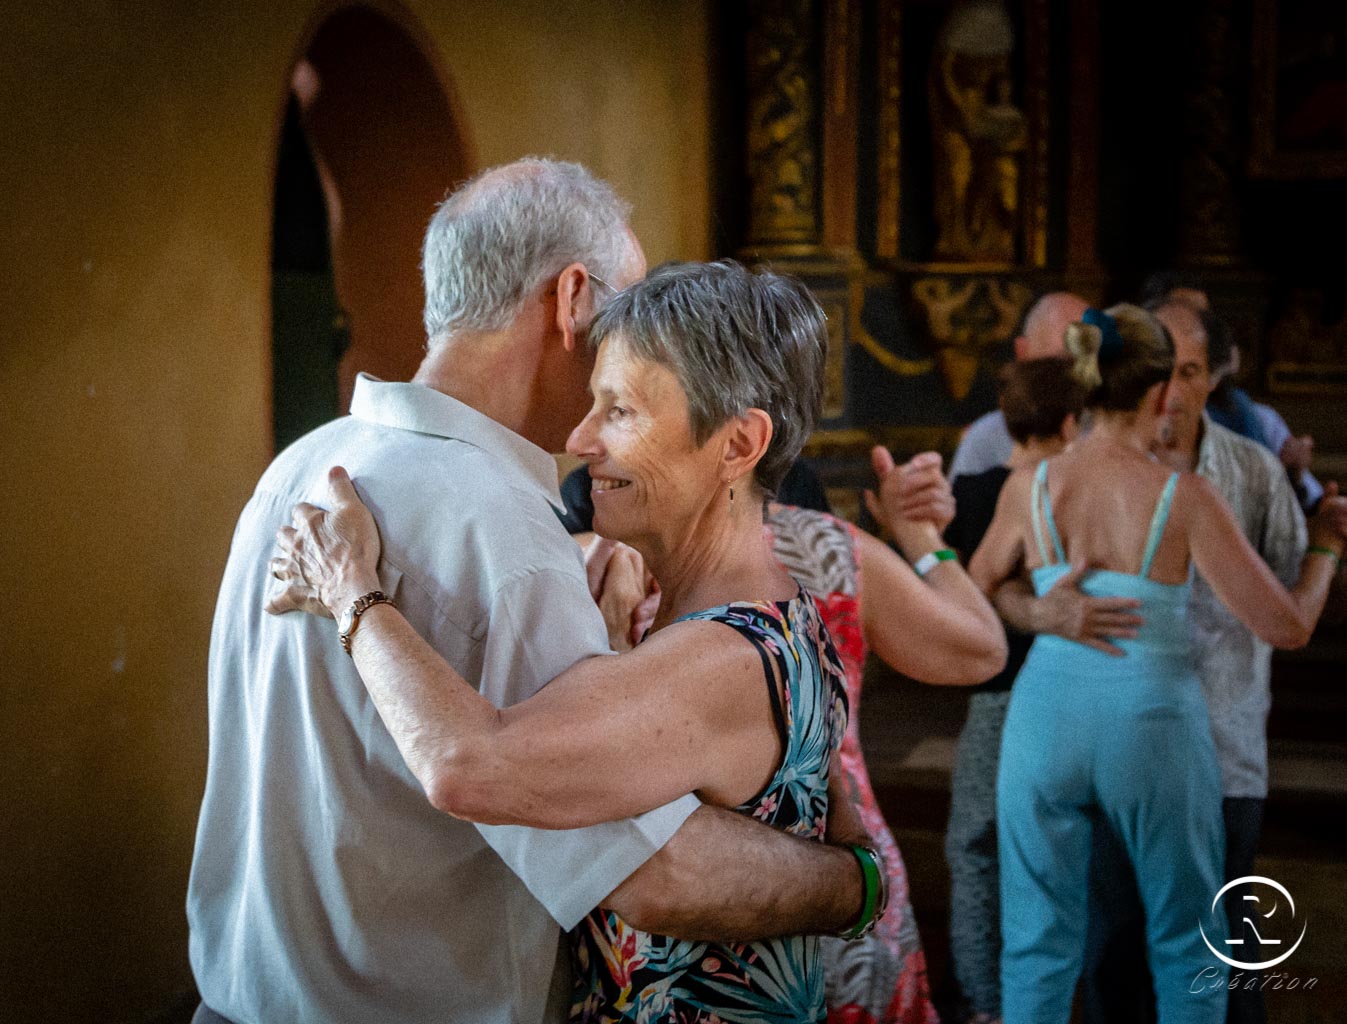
x,y
736,341
706,384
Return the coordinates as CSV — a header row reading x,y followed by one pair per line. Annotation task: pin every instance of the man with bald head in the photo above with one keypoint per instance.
x,y
324,884
986,443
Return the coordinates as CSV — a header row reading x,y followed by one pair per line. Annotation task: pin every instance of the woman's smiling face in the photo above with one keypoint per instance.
x,y
649,479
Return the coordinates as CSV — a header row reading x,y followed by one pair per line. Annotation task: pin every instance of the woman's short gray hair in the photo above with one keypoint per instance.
x,y
736,340
505,232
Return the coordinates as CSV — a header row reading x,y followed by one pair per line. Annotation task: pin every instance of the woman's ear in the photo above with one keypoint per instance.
x,y
746,441
1070,428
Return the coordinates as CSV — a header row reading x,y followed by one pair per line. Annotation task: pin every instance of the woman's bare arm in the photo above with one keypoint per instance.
x,y
1243,581
936,630
687,711
939,629
1000,556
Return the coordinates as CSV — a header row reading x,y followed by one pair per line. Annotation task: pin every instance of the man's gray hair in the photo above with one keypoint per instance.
x,y
505,232
736,340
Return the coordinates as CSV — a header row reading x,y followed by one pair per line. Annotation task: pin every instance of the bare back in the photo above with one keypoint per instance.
x,y
1104,496
1103,499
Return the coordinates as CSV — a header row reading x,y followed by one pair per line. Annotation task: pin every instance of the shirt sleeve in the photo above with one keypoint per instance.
x,y
1275,430
985,444
542,622
1314,490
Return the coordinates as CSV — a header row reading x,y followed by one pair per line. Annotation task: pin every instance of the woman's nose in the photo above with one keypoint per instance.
x,y
584,440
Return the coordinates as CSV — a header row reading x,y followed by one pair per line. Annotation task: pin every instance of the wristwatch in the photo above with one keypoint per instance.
x,y
351,617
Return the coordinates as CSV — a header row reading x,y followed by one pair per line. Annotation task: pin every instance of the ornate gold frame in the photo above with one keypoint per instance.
x,y
1037,103
1264,159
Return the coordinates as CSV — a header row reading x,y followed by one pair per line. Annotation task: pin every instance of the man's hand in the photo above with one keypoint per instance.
x,y
1296,453
1328,525
844,821
1067,612
626,593
912,500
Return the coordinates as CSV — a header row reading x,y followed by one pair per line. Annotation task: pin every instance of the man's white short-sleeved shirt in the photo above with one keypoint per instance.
x,y
985,445
324,886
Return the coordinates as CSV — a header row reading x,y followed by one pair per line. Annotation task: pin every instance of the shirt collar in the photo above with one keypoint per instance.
x,y
1217,448
410,406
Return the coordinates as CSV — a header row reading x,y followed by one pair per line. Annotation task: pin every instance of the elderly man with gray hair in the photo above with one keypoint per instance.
x,y
325,884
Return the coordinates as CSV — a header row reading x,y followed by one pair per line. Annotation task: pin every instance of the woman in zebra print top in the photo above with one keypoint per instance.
x,y
935,630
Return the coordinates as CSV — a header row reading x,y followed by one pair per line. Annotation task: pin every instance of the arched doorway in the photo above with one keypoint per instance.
x,y
370,143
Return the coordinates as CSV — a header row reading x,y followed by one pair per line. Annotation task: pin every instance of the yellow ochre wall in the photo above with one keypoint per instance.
x,y
135,202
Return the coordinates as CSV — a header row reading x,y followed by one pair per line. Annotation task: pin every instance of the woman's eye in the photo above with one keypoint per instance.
x,y
616,412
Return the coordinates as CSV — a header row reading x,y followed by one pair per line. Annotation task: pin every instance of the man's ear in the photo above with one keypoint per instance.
x,y
746,440
1216,374
1161,397
1020,343
575,304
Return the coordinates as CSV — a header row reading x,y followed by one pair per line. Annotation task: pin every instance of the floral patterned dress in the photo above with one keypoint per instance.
x,y
624,974
880,979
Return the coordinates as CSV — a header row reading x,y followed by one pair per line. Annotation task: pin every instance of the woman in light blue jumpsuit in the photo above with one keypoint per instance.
x,y
1124,741
1094,740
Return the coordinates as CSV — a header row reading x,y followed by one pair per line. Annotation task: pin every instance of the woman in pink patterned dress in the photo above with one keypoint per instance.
x,y
931,629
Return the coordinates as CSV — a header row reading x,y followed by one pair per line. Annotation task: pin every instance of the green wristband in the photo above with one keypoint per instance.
x,y
1319,549
872,884
931,559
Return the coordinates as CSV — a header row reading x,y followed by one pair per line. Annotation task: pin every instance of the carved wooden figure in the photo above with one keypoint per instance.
x,y
979,136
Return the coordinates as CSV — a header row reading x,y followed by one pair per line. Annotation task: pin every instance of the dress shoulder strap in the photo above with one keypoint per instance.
x,y
764,630
1158,521
1040,507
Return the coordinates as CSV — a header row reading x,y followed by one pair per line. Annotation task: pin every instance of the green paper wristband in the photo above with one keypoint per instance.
x,y
871,881
931,559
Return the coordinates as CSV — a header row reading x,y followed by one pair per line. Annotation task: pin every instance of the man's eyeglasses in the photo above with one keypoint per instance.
x,y
598,280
